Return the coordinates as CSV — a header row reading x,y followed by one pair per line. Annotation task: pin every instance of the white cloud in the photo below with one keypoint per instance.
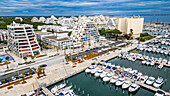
x,y
147,3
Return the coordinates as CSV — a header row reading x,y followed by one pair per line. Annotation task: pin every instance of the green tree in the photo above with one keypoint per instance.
x,y
139,40
74,57
5,41
43,69
67,58
10,77
7,58
39,71
116,32
30,72
69,33
57,47
37,52
25,58
102,31
52,31
32,57
1,60
45,47
23,75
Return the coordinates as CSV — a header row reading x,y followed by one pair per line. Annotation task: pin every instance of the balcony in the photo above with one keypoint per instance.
x,y
20,46
19,31
24,50
35,48
20,38
32,42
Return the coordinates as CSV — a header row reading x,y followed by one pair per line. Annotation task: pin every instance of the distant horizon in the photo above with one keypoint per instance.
x,y
88,15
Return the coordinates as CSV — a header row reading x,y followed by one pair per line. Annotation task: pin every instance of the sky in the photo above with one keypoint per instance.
x,y
82,7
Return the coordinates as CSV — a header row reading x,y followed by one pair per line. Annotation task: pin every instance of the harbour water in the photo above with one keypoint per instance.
x,y
96,87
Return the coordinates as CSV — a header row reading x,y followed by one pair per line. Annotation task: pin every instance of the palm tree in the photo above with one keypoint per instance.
x,y
10,78
38,71
57,47
131,33
82,57
30,72
73,48
89,45
67,58
7,58
23,74
139,40
25,58
32,57
43,69
74,58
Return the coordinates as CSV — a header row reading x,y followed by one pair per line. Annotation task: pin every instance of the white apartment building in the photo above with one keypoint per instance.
x,y
22,40
42,19
34,19
3,35
85,31
66,22
128,23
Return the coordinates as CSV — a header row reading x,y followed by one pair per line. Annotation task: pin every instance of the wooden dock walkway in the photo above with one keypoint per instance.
x,y
47,92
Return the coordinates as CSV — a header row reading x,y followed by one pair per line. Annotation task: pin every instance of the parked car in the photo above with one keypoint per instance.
x,y
43,65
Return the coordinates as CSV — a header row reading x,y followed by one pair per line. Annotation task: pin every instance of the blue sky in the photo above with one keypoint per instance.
x,y
82,7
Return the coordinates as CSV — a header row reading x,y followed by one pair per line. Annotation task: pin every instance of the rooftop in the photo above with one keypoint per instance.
x,y
40,32
55,38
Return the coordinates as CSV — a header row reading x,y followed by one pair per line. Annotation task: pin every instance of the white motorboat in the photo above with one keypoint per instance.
x,y
152,63
93,71
120,81
56,88
97,74
147,63
107,77
103,74
144,62
150,80
143,78
159,82
88,70
169,62
126,84
160,66
114,79
134,87
159,93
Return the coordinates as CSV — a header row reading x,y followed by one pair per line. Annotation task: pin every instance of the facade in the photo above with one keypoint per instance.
x,y
60,39
66,22
42,19
3,35
22,40
128,23
85,31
